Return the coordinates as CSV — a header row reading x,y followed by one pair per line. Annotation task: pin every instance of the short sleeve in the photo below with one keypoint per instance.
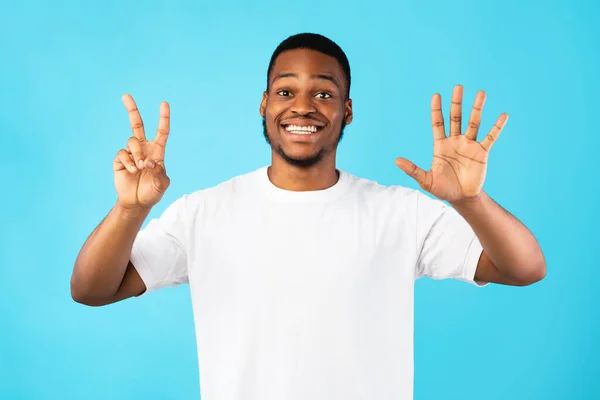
x,y
159,252
446,244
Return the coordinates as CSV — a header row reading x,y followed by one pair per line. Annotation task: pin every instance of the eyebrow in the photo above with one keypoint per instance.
x,y
326,77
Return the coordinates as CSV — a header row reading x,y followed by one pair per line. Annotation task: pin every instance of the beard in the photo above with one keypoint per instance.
x,y
300,162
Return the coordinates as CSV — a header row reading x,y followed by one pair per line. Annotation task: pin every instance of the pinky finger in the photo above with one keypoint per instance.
x,y
122,161
494,133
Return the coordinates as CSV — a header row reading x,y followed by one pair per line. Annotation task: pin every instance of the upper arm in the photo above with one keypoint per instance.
x,y
488,272
132,285
446,245
159,251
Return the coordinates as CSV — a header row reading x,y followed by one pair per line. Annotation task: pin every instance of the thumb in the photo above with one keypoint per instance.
x,y
160,180
412,170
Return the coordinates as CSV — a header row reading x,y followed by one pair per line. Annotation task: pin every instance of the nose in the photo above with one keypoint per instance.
x,y
303,105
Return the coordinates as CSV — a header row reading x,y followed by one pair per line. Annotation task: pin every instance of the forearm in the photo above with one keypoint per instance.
x,y
507,242
103,259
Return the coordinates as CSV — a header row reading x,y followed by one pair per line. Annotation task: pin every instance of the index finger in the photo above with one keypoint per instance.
x,y
164,125
135,119
437,119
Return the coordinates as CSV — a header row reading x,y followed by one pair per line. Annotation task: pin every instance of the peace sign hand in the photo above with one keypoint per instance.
x,y
140,175
459,161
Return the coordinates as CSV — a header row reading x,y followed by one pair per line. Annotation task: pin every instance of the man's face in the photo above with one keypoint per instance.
x,y
306,107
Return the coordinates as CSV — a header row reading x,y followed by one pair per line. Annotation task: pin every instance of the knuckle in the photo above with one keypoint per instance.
x,y
133,145
490,137
438,124
455,118
474,124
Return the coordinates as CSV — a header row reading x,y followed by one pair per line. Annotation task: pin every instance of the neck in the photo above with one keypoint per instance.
x,y
288,177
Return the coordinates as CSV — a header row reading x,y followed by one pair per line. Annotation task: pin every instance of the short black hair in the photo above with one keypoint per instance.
x,y
315,42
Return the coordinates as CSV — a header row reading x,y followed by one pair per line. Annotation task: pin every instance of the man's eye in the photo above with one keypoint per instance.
x,y
323,95
284,92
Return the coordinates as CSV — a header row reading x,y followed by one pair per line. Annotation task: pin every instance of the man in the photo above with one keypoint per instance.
x,y
301,274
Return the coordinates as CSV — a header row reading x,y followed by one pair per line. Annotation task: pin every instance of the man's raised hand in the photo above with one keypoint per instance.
x,y
140,175
459,164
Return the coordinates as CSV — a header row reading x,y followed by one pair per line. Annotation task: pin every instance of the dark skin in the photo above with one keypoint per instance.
x,y
297,82
307,88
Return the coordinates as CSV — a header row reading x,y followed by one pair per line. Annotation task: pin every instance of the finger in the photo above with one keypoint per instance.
x,y
161,164
135,148
148,163
437,118
413,171
494,133
123,160
475,119
135,119
164,125
456,111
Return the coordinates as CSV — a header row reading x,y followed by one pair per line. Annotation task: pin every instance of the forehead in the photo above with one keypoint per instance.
x,y
309,62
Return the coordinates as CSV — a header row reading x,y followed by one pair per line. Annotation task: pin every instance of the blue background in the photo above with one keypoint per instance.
x,y
65,65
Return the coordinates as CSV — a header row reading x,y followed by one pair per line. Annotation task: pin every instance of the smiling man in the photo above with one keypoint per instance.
x,y
304,129
302,275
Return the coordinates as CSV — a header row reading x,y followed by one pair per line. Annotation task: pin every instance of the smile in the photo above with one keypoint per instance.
x,y
302,129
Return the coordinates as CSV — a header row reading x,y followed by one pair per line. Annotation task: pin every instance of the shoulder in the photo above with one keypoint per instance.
x,y
211,198
373,191
236,185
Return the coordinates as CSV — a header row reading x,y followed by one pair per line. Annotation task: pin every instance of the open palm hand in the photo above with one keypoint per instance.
x,y
459,161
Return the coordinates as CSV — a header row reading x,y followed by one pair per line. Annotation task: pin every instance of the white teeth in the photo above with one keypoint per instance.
x,y
301,130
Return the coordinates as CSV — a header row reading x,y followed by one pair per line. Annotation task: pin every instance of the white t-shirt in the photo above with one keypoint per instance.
x,y
304,295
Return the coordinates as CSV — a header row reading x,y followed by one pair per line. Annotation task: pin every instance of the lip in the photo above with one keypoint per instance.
x,y
303,122
303,138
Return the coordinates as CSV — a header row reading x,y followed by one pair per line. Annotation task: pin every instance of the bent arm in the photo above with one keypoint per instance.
x,y
103,273
512,255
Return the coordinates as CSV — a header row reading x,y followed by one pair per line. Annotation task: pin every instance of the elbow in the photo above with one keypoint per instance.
x,y
79,293
540,272
536,273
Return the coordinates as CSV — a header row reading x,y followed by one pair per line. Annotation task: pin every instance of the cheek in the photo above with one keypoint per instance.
x,y
273,112
336,116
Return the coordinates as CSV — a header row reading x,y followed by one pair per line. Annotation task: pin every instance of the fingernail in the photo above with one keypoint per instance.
x,y
132,168
151,164
140,164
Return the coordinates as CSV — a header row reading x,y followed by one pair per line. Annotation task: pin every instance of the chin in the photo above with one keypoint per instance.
x,y
298,154
301,159
303,162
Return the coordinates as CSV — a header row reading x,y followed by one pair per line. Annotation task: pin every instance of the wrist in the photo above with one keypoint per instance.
x,y
471,204
131,212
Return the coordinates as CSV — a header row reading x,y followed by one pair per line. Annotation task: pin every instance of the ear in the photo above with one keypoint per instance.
x,y
348,115
263,104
